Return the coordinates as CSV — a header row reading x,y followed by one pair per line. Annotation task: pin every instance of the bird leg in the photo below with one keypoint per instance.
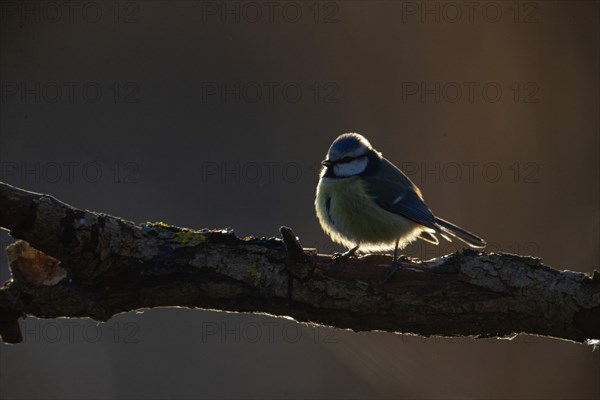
x,y
394,267
337,257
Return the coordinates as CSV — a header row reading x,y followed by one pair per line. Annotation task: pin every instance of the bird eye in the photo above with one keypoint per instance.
x,y
330,163
346,159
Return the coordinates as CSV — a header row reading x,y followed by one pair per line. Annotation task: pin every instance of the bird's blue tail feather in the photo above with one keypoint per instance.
x,y
460,233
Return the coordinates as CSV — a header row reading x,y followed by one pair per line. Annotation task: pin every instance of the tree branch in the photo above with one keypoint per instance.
x,y
75,263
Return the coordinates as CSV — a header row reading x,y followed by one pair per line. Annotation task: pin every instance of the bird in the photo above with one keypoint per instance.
x,y
365,202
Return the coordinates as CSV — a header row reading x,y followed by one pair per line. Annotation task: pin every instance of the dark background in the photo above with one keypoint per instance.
x,y
175,112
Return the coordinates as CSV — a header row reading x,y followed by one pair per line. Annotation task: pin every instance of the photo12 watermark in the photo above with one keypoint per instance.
x,y
470,340
252,172
68,331
69,172
70,92
70,12
265,332
273,12
426,251
472,172
291,172
469,12
469,92
270,92
422,250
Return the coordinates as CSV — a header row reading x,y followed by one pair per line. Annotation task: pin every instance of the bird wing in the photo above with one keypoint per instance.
x,y
395,192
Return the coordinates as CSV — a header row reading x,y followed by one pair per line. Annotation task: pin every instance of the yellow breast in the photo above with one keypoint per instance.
x,y
350,216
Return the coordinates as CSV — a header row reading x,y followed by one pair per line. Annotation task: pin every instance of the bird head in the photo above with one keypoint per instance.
x,y
348,155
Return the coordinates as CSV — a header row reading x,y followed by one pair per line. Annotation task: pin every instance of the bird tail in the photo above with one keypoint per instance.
x,y
460,233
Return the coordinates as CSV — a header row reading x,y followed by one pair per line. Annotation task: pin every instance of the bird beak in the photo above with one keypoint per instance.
x,y
327,163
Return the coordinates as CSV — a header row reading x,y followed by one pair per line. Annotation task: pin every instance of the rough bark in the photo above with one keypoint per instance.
x,y
75,263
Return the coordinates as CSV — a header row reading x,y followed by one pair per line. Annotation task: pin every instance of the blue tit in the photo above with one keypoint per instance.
x,y
364,201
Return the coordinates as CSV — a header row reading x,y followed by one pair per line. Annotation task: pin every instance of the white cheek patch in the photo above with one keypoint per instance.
x,y
350,168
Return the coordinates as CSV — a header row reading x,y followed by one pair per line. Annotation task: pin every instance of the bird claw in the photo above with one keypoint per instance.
x,y
391,271
337,257
394,267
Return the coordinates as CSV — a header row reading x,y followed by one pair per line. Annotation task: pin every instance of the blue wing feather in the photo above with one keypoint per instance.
x,y
395,192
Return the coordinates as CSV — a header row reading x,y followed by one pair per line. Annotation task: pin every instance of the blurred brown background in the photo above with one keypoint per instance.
x,y
210,114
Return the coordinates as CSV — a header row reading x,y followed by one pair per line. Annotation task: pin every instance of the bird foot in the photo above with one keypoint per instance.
x,y
391,271
338,257
394,267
